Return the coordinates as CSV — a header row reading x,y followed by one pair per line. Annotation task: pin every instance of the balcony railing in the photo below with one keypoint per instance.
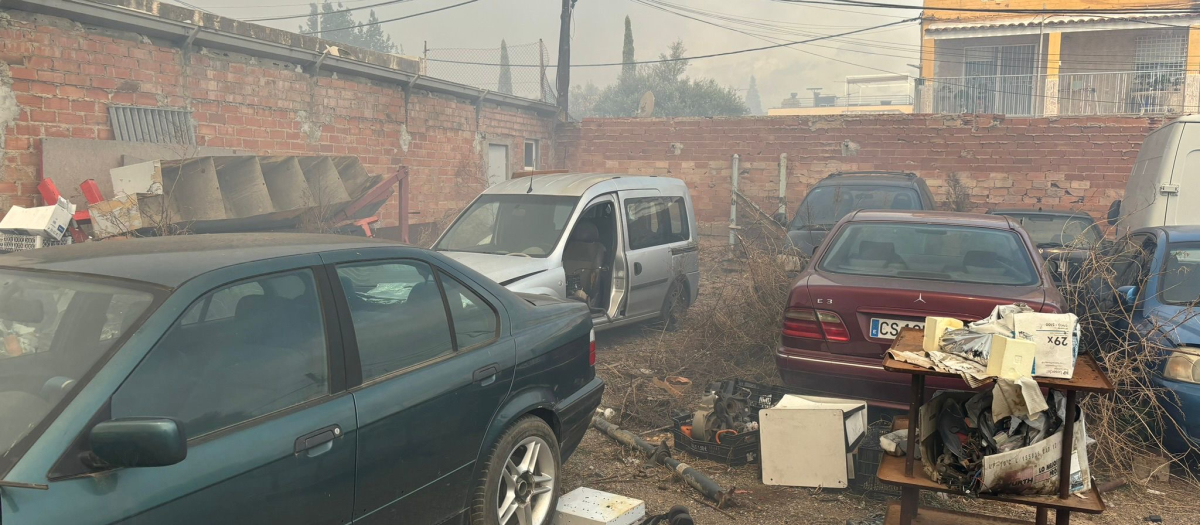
x,y
1127,93
1118,93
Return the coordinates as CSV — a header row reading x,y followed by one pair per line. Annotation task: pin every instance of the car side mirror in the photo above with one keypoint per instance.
x,y
1114,213
1127,297
139,442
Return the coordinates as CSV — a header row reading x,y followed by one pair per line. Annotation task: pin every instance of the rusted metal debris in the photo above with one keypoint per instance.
x,y
662,456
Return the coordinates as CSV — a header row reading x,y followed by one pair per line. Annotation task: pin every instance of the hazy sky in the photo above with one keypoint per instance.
x,y
599,29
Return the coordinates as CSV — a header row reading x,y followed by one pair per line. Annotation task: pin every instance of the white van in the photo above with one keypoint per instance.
x,y
625,245
1158,192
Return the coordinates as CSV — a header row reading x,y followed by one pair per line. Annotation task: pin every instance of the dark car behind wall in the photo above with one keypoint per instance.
x,y
1065,239
883,270
840,193
293,379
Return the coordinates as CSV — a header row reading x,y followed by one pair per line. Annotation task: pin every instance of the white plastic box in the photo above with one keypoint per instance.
x,y
49,222
584,506
807,441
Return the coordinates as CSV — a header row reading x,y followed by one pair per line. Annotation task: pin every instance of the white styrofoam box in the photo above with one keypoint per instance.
x,y
584,506
935,327
805,440
46,221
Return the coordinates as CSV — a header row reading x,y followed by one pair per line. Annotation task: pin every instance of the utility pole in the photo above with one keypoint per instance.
x,y
564,58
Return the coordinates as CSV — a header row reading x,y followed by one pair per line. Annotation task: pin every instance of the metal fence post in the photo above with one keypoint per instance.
x,y
782,213
733,202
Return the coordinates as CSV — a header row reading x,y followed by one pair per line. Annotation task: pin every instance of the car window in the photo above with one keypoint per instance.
x,y
824,206
1180,280
505,224
398,313
1051,231
268,354
1134,257
653,221
941,253
475,322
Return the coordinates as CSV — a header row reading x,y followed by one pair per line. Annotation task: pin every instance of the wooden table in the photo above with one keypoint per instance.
x,y
900,471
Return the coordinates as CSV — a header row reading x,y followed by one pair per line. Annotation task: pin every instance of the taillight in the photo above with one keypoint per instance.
x,y
592,348
814,324
801,323
835,329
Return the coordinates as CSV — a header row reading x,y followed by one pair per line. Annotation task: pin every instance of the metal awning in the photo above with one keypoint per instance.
x,y
1034,24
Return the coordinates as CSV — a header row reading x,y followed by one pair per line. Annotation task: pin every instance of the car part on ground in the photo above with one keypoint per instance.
x,y
585,506
662,456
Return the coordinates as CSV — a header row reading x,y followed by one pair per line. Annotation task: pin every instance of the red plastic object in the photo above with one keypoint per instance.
x,y
91,191
49,192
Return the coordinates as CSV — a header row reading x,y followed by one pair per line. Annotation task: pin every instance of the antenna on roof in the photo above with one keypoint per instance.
x,y
530,190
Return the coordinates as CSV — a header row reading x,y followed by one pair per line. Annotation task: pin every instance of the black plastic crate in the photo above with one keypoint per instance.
x,y
734,451
867,459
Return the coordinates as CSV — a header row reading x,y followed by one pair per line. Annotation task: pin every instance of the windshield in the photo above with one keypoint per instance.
x,y
1049,231
528,225
940,253
1180,281
825,205
53,330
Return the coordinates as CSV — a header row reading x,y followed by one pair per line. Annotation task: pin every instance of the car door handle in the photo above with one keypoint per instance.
x,y
486,375
637,268
317,438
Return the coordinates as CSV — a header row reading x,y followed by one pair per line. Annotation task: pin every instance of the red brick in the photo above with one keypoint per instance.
x,y
50,76
71,92
37,115
83,106
83,133
104,83
69,118
23,73
56,104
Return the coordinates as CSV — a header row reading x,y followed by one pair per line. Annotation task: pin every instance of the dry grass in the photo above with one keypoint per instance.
x,y
731,331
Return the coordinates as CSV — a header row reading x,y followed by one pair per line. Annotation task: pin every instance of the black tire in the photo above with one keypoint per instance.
x,y
485,501
674,305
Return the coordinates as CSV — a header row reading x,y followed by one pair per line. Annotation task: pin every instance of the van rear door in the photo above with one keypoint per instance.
x,y
1141,205
1181,195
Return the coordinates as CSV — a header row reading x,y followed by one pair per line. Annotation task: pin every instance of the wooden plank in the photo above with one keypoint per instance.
x,y
931,516
891,471
1087,378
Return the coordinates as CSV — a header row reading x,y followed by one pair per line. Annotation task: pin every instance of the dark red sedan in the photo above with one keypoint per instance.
x,y
880,271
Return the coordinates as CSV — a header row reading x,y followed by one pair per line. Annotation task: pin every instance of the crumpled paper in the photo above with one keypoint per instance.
x,y
1017,398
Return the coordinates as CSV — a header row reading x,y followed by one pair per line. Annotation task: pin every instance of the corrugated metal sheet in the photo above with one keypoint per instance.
x,y
1050,21
146,124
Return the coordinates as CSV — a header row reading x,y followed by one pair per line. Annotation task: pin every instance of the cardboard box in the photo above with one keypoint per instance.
x,y
935,327
1056,341
1034,470
50,222
1010,358
808,441
115,216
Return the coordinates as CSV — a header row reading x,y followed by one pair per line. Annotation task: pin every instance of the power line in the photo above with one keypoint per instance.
x,y
377,22
293,17
883,5
305,4
697,57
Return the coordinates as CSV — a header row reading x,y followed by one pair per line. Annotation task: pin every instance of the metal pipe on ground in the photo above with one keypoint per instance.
x,y
709,488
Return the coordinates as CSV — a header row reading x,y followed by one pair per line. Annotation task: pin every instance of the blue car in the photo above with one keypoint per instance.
x,y
1157,291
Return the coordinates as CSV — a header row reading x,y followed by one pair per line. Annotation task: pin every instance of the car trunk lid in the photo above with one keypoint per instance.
x,y
858,299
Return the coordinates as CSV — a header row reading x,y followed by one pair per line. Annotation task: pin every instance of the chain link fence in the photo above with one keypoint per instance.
x,y
531,77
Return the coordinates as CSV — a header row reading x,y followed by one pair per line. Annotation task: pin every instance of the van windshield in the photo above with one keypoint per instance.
x,y
825,205
529,225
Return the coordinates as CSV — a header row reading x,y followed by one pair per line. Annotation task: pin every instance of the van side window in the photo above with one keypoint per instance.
x,y
654,221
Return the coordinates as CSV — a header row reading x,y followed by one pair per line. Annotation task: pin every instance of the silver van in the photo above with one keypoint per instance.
x,y
1159,191
625,245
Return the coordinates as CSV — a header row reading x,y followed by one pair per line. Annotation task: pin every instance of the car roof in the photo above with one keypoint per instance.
x,y
947,218
172,260
1177,233
575,184
856,178
1030,211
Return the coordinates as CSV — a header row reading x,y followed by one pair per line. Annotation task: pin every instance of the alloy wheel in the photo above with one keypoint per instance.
x,y
527,484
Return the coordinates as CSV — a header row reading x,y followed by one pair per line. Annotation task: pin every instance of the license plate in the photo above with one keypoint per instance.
x,y
890,328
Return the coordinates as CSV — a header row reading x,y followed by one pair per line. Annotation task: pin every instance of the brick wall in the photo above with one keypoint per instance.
x,y
63,76
1065,163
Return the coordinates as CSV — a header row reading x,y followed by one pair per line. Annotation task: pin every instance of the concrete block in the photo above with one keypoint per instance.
x,y
584,506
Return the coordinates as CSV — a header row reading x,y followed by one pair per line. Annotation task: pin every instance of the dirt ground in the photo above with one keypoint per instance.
x,y
602,464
